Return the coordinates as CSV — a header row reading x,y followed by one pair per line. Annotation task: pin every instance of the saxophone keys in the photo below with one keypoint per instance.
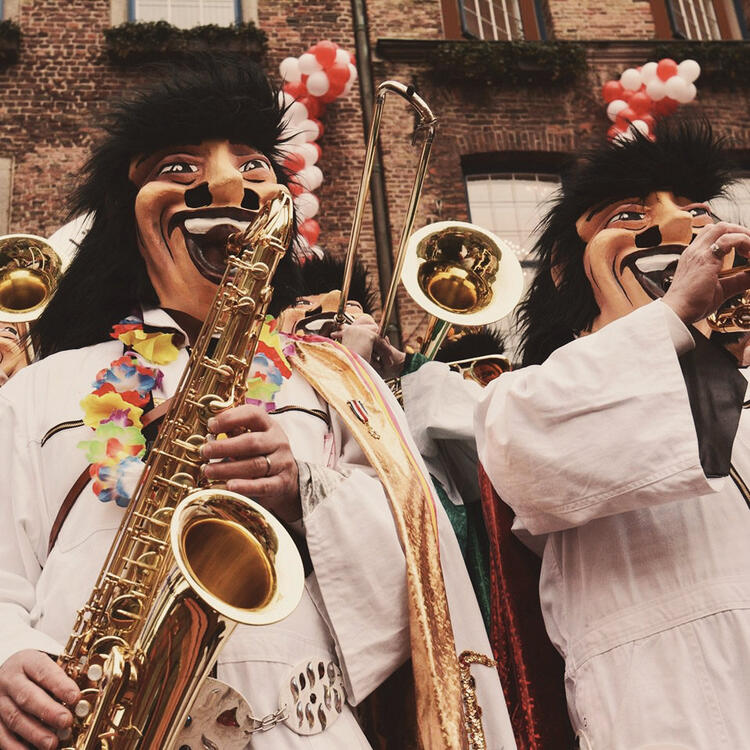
x,y
82,709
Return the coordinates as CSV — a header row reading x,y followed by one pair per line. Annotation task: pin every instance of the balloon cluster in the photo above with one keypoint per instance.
x,y
311,81
642,95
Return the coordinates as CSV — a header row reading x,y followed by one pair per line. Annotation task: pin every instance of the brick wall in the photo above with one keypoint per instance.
x,y
51,99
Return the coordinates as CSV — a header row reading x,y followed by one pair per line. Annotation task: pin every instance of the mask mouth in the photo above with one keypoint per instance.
x,y
654,268
206,234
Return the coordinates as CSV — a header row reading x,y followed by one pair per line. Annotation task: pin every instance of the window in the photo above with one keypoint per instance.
x,y
511,205
187,13
6,183
497,20
491,20
702,20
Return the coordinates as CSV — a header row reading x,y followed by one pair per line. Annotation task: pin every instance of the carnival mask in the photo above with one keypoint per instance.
x,y
190,199
632,249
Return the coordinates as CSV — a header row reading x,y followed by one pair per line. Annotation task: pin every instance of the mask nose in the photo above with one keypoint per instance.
x,y
674,221
330,301
225,181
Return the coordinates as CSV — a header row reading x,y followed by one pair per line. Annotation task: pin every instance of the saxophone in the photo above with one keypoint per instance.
x,y
190,560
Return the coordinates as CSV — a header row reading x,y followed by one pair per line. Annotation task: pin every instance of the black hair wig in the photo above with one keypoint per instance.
x,y
475,344
322,274
685,159
200,97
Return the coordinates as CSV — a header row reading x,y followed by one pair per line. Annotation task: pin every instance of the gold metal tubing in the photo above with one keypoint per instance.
x,y
428,122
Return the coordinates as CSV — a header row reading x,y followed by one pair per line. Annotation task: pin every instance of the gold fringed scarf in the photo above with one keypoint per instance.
x,y
342,381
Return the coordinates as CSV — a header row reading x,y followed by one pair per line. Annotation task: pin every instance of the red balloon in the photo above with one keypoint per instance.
x,y
612,90
294,163
333,93
666,68
640,102
295,188
338,75
313,106
295,90
665,107
325,53
310,230
625,117
626,94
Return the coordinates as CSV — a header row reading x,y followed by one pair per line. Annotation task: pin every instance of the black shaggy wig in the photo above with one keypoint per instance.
x,y
323,274
475,344
201,97
685,159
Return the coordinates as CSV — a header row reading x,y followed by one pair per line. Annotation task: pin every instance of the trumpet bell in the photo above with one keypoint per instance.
x,y
29,272
461,273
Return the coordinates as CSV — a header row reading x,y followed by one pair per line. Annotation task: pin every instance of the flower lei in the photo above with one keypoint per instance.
x,y
114,408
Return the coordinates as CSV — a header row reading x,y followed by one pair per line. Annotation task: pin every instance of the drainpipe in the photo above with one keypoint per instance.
x,y
381,221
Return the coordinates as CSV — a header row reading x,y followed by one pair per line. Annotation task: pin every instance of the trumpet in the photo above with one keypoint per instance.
x,y
733,316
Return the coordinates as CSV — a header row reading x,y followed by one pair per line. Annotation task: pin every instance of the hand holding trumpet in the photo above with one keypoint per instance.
x,y
699,285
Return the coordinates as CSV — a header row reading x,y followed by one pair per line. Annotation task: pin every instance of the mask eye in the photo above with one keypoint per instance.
x,y
630,217
177,167
700,211
253,164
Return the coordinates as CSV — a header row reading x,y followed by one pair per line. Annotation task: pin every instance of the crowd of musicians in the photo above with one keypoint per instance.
x,y
553,557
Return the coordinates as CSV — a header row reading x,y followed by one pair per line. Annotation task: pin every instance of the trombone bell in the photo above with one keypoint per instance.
x,y
461,273
29,272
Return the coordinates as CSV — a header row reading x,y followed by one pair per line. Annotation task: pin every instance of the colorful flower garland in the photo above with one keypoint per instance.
x,y
122,390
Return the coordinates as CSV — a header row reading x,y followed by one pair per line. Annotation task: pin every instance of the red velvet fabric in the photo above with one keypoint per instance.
x,y
531,670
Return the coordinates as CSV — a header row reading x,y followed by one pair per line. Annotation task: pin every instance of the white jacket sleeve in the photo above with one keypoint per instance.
x,y
22,523
602,427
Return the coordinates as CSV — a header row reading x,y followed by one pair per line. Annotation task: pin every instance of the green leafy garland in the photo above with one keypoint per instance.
x,y
137,42
509,63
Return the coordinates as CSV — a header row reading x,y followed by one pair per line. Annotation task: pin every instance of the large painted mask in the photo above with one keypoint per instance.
x,y
632,249
190,199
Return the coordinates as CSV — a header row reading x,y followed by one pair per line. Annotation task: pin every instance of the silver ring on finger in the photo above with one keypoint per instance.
x,y
717,250
268,465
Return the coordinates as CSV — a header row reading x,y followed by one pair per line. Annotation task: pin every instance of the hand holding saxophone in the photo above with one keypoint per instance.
x,y
698,288
32,688
259,461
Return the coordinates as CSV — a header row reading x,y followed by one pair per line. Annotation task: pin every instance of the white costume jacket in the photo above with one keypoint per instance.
x,y
354,608
646,566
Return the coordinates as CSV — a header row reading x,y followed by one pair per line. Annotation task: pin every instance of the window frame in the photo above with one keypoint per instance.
x,y
531,20
664,24
238,11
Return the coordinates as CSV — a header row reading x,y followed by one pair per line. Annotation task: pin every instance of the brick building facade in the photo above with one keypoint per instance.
x,y
501,123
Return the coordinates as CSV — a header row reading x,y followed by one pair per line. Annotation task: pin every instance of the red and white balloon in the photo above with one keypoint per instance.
x,y
311,81
642,95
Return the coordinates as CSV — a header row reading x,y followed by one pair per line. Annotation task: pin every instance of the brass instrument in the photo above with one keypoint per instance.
x,y
190,560
482,370
29,272
459,272
462,275
733,315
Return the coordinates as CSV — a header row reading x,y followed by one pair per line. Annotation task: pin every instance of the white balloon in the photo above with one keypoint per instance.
x,y
285,100
307,205
318,83
631,79
297,113
677,89
693,91
656,89
615,107
648,71
640,126
289,69
689,70
309,153
308,64
348,86
310,178
342,57
309,130
352,72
